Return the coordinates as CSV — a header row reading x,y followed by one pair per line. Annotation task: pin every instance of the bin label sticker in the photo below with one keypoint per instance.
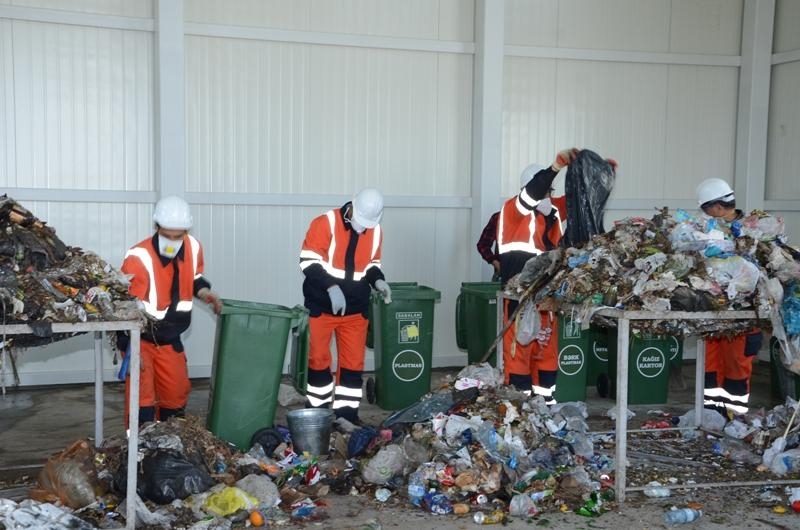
x,y
570,359
651,362
571,329
674,347
408,326
408,365
600,350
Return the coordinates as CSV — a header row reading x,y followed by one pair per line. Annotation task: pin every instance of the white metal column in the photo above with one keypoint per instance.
x,y
758,20
170,120
487,121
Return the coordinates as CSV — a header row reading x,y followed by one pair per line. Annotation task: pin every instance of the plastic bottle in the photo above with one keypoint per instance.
x,y
655,489
416,488
496,517
682,515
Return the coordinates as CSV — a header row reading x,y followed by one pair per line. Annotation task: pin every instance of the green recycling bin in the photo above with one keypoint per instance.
x,y
783,381
403,346
249,350
648,368
574,346
476,319
600,348
370,325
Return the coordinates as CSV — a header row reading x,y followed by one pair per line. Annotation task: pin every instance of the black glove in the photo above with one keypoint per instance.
x,y
752,343
123,340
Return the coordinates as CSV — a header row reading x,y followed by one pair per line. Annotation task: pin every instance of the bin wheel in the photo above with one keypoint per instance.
x,y
371,390
603,385
268,438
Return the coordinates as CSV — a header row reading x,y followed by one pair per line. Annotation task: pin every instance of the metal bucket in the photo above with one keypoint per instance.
x,y
310,430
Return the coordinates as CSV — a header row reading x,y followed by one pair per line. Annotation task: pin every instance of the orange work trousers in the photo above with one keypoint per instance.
x,y
533,358
351,340
163,379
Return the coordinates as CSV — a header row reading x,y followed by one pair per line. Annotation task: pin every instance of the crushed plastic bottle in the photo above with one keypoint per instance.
x,y
416,488
682,515
655,489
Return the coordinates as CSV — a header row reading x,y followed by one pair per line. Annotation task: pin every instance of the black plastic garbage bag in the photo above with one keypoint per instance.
x,y
166,475
360,440
588,184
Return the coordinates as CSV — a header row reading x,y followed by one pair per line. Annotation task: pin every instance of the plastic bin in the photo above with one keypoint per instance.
x,y
573,347
648,368
476,319
600,348
370,325
249,350
783,382
403,346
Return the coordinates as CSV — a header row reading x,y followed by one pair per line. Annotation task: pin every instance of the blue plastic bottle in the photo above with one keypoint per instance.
x,y
682,515
437,503
416,488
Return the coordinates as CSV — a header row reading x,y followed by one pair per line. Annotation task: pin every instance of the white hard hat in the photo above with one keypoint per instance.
x,y
528,173
714,190
173,213
368,207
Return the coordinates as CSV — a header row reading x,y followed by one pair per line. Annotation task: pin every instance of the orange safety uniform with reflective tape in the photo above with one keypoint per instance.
x,y
522,233
728,369
335,254
155,281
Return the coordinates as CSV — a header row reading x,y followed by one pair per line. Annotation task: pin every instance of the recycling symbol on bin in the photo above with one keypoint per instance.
x,y
407,331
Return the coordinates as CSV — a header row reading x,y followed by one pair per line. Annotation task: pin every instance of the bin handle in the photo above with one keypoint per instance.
x,y
460,340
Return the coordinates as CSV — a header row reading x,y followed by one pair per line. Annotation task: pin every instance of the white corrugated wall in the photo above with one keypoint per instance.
x,y
291,106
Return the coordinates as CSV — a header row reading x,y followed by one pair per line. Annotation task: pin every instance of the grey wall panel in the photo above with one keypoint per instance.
x,y
82,107
419,19
128,8
278,118
787,19
783,155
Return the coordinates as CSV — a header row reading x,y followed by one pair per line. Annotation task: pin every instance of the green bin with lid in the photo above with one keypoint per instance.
x,y
249,351
476,319
403,331
574,346
370,324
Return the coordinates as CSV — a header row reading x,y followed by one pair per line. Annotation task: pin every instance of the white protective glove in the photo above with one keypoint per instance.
x,y
338,303
545,206
211,298
382,287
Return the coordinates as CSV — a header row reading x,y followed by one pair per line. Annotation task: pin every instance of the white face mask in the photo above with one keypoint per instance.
x,y
357,227
545,206
169,248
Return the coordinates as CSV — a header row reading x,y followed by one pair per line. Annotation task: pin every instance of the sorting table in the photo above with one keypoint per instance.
x,y
624,318
133,406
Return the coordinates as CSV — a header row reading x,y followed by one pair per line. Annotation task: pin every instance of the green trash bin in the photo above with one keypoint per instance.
x,y
476,319
648,368
783,382
249,350
574,345
370,326
600,348
403,346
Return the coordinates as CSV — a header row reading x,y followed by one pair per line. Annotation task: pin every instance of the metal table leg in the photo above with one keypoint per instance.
x,y
98,388
623,329
133,424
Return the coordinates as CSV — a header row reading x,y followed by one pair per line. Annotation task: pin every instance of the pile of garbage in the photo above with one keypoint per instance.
x,y
677,263
473,448
43,280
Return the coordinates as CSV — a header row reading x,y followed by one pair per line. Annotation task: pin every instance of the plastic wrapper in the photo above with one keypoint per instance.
x,y
69,477
386,463
528,323
735,273
588,185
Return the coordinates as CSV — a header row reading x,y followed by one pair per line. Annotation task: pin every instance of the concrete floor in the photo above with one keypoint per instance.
x,y
38,422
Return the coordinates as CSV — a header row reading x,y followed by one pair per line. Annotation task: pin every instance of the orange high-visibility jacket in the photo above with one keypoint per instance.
x,y
334,254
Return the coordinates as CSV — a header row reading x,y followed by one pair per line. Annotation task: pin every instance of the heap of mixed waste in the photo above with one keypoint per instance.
x,y
678,263
43,280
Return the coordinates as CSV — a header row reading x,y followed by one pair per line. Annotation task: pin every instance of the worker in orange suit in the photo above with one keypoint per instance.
x,y
531,223
729,360
341,261
166,274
